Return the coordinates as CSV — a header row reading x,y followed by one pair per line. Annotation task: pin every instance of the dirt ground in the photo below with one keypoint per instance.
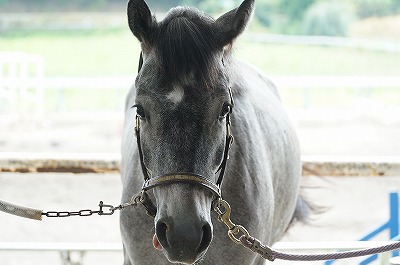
x,y
354,205
320,133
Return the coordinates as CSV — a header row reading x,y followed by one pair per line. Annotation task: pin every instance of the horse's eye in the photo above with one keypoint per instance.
x,y
140,111
226,109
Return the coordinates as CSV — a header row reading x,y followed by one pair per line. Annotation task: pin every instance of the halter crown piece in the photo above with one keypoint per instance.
x,y
181,177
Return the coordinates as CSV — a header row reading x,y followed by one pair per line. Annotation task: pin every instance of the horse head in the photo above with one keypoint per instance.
x,y
182,102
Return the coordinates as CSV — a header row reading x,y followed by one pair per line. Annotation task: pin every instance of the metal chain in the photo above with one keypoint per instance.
x,y
104,209
239,235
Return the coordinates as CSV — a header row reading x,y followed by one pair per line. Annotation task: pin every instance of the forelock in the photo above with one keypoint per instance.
x,y
185,44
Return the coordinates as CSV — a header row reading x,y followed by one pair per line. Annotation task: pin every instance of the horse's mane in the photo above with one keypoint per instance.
x,y
185,43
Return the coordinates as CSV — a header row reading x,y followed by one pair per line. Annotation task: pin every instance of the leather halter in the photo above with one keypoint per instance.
x,y
181,177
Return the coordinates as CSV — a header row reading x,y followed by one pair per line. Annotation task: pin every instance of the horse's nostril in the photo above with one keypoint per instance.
x,y
161,231
206,239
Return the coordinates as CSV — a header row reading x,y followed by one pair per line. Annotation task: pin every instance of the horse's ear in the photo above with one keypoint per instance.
x,y
231,24
141,21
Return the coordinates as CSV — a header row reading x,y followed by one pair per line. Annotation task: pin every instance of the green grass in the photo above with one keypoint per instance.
x,y
317,60
87,53
115,52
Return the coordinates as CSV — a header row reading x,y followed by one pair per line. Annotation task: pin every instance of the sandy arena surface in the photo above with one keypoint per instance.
x,y
354,204
320,133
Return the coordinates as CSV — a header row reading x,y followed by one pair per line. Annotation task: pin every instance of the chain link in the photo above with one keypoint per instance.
x,y
104,209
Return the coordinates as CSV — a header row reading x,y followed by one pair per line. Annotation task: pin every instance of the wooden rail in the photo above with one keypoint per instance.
x,y
110,163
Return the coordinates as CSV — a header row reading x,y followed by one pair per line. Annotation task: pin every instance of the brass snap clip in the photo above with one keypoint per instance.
x,y
223,210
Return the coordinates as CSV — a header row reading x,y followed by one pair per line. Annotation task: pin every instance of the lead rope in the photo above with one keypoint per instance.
x,y
267,253
239,235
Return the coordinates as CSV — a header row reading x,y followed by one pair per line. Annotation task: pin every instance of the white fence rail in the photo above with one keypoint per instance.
x,y
125,82
21,82
357,43
337,81
67,250
121,84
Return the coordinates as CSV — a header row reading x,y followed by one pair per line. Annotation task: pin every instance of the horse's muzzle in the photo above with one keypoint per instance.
x,y
182,241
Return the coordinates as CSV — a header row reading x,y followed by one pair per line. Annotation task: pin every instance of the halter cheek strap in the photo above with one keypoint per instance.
x,y
140,62
228,143
139,145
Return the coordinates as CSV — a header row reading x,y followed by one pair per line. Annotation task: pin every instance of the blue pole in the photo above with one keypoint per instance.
x,y
394,217
393,225
369,260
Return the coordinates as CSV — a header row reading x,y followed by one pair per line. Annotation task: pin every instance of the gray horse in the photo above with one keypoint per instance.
x,y
185,91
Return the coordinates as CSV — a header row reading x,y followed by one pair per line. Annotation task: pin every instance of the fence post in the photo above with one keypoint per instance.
x,y
392,225
394,217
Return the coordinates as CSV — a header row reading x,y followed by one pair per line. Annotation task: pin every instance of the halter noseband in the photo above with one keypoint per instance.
x,y
181,177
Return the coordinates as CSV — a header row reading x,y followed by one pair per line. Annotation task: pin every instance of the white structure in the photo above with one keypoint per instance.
x,y
21,85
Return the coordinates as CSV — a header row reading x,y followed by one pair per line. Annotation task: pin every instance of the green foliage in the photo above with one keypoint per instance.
x,y
377,8
282,16
58,5
190,2
322,17
328,18
294,9
212,6
215,7
264,12
396,6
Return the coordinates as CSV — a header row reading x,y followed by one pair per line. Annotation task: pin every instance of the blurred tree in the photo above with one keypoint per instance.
x,y
294,9
190,2
162,5
216,7
264,11
328,18
396,6
78,5
210,6
377,8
